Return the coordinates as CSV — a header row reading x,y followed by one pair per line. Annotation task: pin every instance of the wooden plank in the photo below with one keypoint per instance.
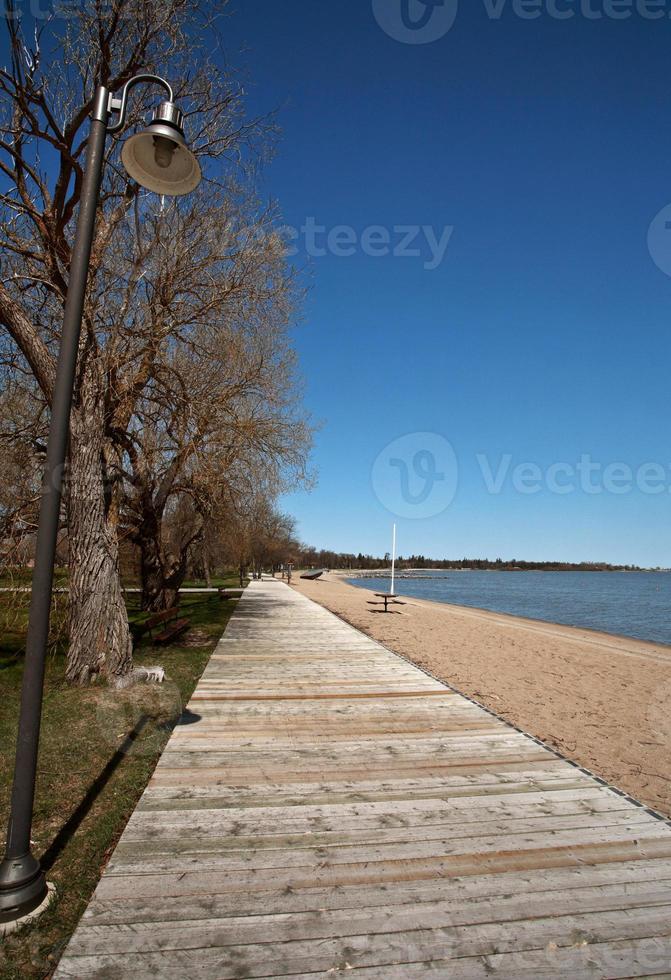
x,y
468,810
214,954
340,696
198,878
330,808
370,854
382,830
382,920
592,880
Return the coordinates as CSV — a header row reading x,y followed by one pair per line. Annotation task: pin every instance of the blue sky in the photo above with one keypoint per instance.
x,y
543,335
535,340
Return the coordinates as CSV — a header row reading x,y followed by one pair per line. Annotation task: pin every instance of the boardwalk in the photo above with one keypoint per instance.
x,y
327,808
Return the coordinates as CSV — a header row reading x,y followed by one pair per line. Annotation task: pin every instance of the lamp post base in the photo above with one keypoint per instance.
x,y
15,924
23,888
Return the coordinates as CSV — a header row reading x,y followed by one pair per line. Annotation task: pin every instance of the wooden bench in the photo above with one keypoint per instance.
x,y
169,619
389,598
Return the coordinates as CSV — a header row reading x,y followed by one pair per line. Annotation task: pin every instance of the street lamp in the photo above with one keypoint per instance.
x,y
159,160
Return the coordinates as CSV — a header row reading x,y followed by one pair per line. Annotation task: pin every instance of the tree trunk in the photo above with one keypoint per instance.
x,y
206,568
100,642
161,574
155,595
177,566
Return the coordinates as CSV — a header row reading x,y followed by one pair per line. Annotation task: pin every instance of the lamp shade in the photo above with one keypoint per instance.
x,y
158,157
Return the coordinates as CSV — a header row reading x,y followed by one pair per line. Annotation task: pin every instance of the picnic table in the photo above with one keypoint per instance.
x,y
389,598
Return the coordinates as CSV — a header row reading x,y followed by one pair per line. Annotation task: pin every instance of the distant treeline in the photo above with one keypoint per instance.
x,y
312,558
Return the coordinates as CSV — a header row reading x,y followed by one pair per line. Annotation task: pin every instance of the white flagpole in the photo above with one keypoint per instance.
x,y
393,557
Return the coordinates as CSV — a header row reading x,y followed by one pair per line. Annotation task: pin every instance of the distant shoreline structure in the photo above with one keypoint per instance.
x,y
438,572
416,564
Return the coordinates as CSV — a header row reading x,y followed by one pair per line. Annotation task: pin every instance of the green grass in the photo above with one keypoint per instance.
x,y
98,749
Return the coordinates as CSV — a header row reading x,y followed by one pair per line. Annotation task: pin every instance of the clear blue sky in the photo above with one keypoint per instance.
x,y
542,336
544,332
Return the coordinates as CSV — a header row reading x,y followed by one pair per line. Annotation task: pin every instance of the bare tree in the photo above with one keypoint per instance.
x,y
254,533
216,423
272,537
45,102
22,447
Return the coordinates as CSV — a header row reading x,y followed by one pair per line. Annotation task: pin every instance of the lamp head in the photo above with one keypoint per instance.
x,y
158,157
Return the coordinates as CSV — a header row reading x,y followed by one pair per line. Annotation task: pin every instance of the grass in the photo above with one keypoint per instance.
x,y
98,749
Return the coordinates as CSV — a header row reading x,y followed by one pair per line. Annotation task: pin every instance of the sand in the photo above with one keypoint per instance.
x,y
603,701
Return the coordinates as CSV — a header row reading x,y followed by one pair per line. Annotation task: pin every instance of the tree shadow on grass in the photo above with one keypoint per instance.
x,y
72,824
70,827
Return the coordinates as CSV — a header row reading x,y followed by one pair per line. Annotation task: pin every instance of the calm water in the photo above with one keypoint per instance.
x,y
629,603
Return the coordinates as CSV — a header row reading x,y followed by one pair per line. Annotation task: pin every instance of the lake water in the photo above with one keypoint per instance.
x,y
634,604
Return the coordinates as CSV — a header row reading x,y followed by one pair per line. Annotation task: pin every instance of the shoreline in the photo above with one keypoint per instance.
x,y
589,631
599,699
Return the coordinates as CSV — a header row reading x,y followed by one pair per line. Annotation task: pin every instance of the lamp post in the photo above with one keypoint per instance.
x,y
158,159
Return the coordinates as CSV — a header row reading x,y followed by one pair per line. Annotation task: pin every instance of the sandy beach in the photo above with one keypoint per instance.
x,y
603,701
